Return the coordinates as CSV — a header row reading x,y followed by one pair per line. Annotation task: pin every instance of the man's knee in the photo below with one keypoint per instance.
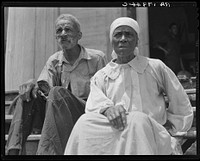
x,y
57,92
59,101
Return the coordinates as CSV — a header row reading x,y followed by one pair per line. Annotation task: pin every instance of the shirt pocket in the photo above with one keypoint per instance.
x,y
87,68
80,84
83,70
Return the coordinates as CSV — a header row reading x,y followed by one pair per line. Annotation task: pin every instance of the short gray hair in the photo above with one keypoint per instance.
x,y
71,18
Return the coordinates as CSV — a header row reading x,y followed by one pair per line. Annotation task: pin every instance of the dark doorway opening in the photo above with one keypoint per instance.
x,y
187,19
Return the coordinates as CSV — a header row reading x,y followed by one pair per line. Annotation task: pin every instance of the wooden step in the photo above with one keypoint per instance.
x,y
8,103
32,137
12,92
10,95
190,91
31,144
7,106
191,134
8,118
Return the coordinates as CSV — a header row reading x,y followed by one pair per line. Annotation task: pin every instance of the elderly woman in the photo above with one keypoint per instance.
x,y
126,111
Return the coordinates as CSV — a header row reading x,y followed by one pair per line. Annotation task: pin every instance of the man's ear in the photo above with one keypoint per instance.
x,y
79,35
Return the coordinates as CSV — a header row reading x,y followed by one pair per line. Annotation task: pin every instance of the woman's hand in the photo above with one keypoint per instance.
x,y
117,116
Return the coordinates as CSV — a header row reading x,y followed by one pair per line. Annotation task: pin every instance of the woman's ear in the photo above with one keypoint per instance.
x,y
137,42
79,35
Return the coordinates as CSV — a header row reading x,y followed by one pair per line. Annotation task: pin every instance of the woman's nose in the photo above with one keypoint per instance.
x,y
123,38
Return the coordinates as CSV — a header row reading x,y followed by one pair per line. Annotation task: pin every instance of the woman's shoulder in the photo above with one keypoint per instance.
x,y
155,63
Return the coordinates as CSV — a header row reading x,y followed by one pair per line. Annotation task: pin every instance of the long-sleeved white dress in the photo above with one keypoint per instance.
x,y
138,86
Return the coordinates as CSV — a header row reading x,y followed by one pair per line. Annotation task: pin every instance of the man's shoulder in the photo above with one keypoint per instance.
x,y
105,71
94,52
56,56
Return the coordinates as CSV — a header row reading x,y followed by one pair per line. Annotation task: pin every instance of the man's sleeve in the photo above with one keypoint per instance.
x,y
49,76
102,61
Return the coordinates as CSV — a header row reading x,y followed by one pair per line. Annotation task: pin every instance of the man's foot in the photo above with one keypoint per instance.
x,y
36,131
13,152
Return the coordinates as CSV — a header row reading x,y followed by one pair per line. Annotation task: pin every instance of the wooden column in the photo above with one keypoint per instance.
x,y
20,47
142,19
5,26
45,42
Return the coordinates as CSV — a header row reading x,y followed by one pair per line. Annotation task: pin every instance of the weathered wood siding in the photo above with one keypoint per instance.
x,y
95,23
31,37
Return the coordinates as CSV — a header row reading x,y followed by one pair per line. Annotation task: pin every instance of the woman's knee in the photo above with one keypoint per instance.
x,y
83,119
139,118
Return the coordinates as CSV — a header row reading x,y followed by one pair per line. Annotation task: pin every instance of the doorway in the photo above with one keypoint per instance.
x,y
186,17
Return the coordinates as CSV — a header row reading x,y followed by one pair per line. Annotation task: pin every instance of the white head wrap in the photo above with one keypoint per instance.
x,y
124,21
127,21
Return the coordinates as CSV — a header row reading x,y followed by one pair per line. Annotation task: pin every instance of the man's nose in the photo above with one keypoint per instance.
x,y
63,32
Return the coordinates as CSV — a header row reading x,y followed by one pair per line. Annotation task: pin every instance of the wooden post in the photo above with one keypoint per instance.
x,y
142,19
20,47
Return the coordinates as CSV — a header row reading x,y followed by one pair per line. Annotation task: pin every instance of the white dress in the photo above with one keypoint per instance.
x,y
138,86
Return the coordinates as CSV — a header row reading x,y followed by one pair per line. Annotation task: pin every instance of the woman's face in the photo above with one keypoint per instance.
x,y
66,34
124,40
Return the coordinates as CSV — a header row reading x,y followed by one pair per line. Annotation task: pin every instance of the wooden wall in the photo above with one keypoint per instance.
x,y
30,41
31,37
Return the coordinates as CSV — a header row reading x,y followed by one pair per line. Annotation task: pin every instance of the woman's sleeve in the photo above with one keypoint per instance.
x,y
179,111
97,100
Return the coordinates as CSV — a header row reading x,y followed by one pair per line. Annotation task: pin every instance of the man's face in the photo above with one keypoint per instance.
x,y
174,30
67,34
124,40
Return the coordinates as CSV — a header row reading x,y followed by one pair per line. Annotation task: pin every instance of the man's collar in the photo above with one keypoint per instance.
x,y
83,55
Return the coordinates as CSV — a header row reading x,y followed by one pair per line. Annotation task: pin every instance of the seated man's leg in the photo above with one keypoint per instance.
x,y
22,123
14,141
63,110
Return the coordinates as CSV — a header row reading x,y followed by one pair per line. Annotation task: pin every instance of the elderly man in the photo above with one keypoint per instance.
x,y
126,111
62,87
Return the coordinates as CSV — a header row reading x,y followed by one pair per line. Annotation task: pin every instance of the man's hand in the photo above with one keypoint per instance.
x,y
26,89
117,116
163,49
